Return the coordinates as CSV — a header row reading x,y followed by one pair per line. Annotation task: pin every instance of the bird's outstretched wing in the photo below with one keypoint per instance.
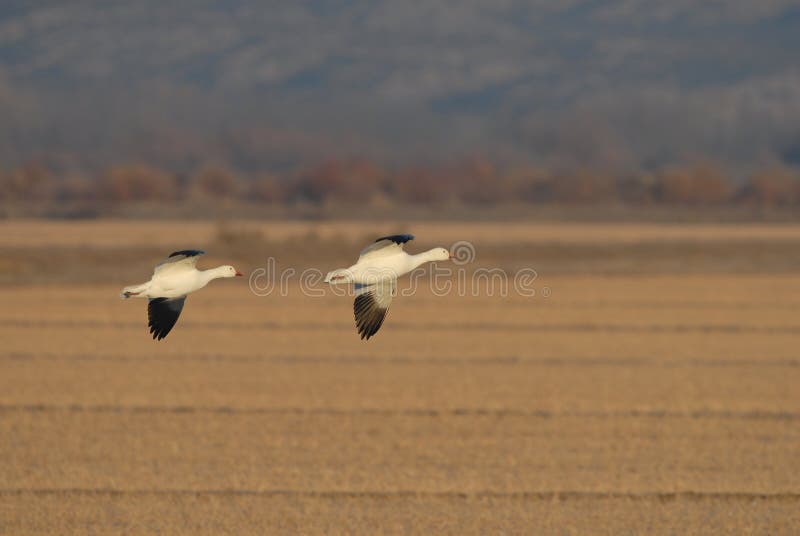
x,y
371,305
162,313
386,245
180,260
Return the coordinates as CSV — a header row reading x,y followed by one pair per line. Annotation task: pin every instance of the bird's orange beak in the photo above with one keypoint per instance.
x,y
452,256
238,274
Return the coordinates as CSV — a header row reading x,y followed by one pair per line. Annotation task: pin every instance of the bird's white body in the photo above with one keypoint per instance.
x,y
387,268
177,281
384,265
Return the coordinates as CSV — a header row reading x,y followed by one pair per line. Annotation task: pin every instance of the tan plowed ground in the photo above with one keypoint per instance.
x,y
644,404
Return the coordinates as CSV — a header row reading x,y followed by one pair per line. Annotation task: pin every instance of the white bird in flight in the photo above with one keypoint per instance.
x,y
375,278
173,278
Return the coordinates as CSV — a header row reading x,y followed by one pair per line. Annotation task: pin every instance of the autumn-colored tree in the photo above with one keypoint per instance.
x,y
267,188
583,186
354,180
479,182
215,182
420,185
777,186
136,183
637,188
699,184
530,184
29,182
77,187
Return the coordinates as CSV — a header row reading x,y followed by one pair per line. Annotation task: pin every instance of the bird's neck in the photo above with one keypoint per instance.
x,y
421,258
211,274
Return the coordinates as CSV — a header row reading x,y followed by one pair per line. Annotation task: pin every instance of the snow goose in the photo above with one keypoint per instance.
x,y
173,278
375,278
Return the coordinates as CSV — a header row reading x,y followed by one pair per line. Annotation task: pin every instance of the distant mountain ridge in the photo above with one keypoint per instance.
x,y
618,84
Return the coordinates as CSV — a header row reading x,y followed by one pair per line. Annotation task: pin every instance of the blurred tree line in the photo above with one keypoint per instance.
x,y
471,181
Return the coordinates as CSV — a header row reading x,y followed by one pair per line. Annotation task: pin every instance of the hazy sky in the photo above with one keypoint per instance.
x,y
618,83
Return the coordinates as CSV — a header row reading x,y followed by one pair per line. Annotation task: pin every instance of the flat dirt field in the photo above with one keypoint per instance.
x,y
631,399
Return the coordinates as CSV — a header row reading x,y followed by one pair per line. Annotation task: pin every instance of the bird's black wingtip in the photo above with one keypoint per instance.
x,y
369,316
398,238
162,314
187,253
157,336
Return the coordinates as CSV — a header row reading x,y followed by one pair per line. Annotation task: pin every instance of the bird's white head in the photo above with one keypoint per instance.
x,y
228,271
440,254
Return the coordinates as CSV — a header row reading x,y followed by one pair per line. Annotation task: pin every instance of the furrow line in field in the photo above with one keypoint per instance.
x,y
407,360
507,302
408,412
426,326
662,496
